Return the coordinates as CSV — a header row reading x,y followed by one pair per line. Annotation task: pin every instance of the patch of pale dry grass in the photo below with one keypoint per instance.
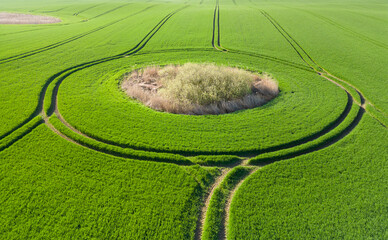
x,y
19,18
199,88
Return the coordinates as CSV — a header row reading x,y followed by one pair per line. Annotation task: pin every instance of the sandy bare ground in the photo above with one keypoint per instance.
x,y
19,18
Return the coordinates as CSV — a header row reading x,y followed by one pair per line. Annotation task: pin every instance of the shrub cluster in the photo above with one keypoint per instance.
x,y
199,88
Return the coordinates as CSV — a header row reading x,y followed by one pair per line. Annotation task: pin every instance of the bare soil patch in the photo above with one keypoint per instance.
x,y
199,89
19,18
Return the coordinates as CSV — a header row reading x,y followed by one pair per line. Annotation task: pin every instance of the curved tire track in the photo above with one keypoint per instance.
x,y
39,109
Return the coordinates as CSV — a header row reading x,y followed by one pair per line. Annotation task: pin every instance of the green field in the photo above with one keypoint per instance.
x,y
79,159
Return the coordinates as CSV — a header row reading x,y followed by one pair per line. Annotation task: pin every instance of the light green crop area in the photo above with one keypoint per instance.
x,y
79,159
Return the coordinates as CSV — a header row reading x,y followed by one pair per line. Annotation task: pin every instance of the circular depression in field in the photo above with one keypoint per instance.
x,y
93,102
199,89
20,18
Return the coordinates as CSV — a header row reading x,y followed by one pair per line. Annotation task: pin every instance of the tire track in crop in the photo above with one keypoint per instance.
x,y
57,10
294,44
348,30
225,222
222,233
86,9
316,67
109,11
68,40
216,28
288,145
201,219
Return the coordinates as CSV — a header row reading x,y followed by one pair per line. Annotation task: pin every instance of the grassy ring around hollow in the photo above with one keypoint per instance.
x,y
92,101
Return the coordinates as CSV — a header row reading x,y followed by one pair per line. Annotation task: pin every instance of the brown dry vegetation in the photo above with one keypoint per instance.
x,y
199,88
18,18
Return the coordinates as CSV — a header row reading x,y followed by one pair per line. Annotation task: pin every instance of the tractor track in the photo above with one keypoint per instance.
x,y
251,153
317,68
216,28
71,39
294,44
224,227
86,9
209,195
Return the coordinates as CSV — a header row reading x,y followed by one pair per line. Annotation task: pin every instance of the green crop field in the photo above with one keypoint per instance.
x,y
80,159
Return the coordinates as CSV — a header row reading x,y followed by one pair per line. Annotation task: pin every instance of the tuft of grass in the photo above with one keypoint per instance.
x,y
199,88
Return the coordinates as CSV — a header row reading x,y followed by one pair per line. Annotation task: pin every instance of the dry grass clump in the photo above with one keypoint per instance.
x,y
18,18
199,88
